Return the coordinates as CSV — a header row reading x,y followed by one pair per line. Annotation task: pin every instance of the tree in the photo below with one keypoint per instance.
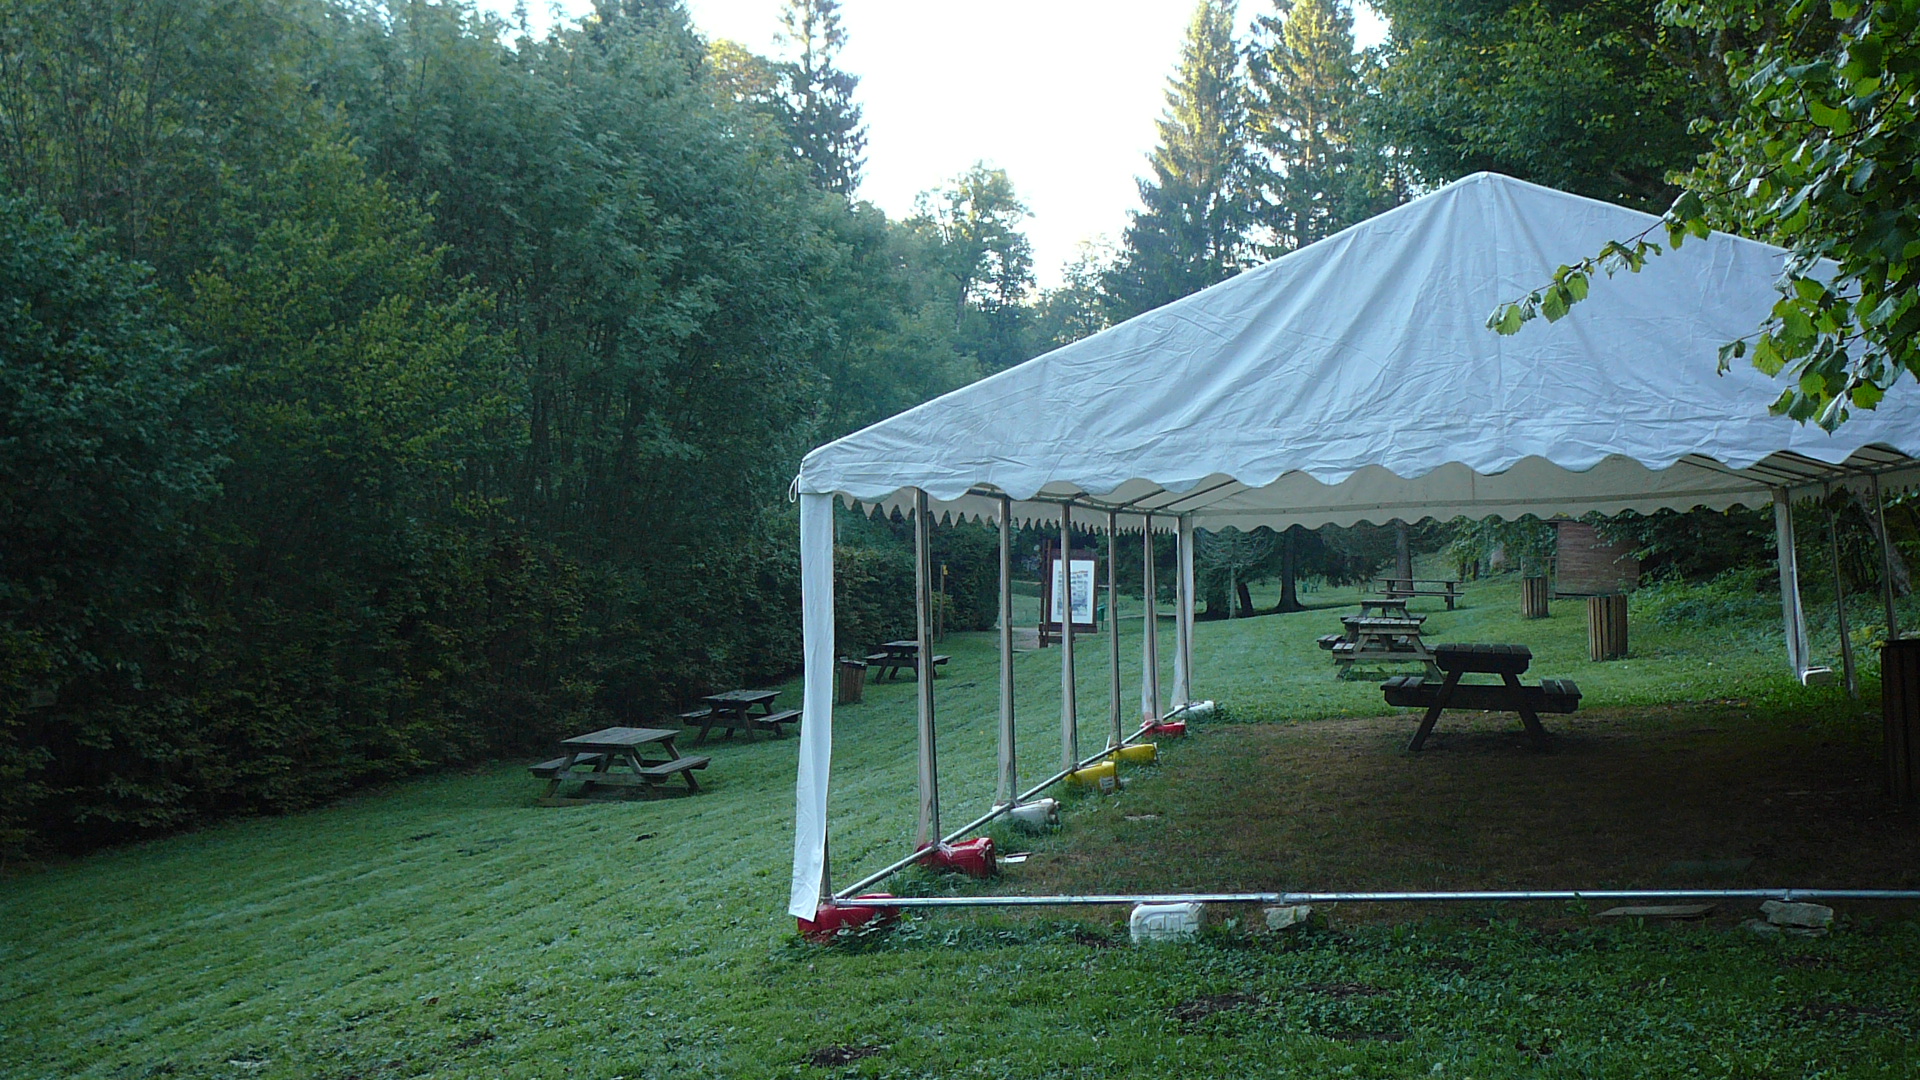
x,y
1197,206
1595,97
974,224
1224,563
1817,157
101,467
1078,307
822,119
1305,95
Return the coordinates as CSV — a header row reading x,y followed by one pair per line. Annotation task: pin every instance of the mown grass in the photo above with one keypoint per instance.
x,y
448,927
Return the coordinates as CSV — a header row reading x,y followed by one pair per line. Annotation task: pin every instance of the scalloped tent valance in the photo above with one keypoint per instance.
x,y
1355,380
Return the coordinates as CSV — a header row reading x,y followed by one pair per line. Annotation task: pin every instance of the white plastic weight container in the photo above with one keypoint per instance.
x,y
1166,922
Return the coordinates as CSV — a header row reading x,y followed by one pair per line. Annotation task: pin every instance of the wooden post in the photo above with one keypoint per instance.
x,y
1900,713
929,831
1069,706
1150,642
1607,627
1114,735
1840,596
1008,787
1533,598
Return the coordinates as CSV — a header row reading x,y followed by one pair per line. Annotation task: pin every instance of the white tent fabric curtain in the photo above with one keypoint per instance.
x,y
1355,380
816,729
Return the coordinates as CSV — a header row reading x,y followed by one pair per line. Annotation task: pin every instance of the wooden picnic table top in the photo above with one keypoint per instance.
x,y
619,738
901,646
1483,659
741,699
1383,622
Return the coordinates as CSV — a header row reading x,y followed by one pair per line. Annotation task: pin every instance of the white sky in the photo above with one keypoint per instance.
x,y
1062,94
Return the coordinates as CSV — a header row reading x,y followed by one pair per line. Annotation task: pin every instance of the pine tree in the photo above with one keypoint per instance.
x,y
1303,104
822,118
1192,232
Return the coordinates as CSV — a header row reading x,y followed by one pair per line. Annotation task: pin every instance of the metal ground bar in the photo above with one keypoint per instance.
x,y
1789,895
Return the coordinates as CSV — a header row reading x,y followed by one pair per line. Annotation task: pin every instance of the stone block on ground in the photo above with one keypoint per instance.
x,y
1288,916
1807,916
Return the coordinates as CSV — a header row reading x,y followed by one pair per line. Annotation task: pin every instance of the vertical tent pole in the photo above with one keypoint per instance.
x,y
1886,559
1840,595
1008,787
1150,641
1791,614
1183,616
929,832
809,886
1069,707
1115,736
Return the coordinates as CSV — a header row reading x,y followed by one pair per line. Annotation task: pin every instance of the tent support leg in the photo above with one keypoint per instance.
x,y
1886,559
1009,782
929,831
1840,596
1183,617
1069,707
1114,734
1791,614
1149,641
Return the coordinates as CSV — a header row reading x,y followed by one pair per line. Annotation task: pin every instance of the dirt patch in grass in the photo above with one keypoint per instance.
x,y
841,1055
1194,1010
1676,796
1340,990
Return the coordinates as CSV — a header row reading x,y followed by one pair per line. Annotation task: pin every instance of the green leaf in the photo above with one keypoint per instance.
x,y
1731,351
1810,290
1509,320
1577,286
1867,395
1766,357
1844,9
1838,121
1554,304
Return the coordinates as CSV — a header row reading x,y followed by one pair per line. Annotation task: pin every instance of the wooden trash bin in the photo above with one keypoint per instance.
x,y
1900,712
1607,627
1533,597
852,682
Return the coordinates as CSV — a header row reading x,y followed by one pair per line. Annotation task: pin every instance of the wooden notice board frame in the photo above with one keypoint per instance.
x,y
1078,559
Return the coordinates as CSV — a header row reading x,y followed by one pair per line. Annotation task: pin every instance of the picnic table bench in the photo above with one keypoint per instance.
x,y
1509,695
590,760
894,656
1401,588
733,710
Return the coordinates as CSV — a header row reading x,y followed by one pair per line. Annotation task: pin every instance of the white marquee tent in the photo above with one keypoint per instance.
x,y
1355,380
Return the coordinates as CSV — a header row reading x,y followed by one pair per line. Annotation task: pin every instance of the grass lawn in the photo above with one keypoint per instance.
x,y
448,927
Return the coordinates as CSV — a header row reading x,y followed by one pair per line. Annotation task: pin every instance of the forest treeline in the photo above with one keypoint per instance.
x,y
385,386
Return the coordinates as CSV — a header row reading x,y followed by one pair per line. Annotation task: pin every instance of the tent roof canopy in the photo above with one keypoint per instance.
x,y
1356,380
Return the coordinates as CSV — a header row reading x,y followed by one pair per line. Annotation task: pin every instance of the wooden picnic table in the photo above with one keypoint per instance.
x,y
1374,637
1385,606
734,709
1400,588
648,754
896,656
1506,661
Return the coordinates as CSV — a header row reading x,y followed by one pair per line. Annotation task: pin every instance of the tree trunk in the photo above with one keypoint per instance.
x,y
1902,580
1246,601
1402,555
1289,572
